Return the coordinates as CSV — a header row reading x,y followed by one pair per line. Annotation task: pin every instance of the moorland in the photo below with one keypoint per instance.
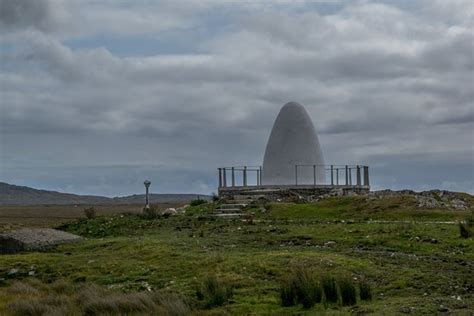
x,y
337,256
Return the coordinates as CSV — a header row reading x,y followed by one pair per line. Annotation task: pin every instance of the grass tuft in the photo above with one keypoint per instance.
x,y
214,292
288,294
22,288
27,307
348,292
329,289
300,287
365,290
172,304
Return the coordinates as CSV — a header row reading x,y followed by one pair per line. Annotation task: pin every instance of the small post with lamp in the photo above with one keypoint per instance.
x,y
147,185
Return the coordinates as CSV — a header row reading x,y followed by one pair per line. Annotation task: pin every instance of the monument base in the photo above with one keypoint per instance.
x,y
286,192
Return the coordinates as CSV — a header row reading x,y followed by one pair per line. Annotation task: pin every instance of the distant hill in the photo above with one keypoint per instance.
x,y
20,195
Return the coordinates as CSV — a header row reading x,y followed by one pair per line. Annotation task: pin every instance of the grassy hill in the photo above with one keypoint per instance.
x,y
412,259
21,195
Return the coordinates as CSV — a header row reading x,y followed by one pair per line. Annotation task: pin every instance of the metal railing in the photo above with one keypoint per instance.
x,y
338,175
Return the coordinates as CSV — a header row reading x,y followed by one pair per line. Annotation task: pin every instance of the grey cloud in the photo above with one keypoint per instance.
x,y
397,91
20,14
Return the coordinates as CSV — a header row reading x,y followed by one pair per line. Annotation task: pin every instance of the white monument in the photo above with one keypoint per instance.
x,y
293,152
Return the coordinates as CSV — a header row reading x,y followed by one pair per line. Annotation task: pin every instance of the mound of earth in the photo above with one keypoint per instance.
x,y
34,239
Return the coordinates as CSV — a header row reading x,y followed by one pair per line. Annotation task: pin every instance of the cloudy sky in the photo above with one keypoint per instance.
x,y
96,96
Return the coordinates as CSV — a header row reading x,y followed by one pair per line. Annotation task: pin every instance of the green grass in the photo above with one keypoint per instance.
x,y
410,257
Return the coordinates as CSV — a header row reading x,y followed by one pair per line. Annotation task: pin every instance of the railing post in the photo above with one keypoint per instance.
x,y
220,177
314,175
233,177
296,174
332,175
347,175
337,176
366,175
224,179
260,174
245,176
350,176
358,175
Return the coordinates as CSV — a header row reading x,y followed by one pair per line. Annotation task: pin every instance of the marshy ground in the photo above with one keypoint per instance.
x,y
413,260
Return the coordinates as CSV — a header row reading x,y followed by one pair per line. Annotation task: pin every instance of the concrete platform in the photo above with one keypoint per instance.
x,y
276,192
34,239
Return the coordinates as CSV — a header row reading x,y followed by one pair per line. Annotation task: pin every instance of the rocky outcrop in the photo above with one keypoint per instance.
x,y
432,199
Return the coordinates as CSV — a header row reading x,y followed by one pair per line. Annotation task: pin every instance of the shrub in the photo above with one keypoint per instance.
x,y
329,289
348,292
150,212
301,287
465,230
197,202
215,197
214,292
365,291
90,212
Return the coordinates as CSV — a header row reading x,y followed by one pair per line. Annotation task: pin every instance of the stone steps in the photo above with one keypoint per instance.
x,y
233,205
227,215
233,209
228,210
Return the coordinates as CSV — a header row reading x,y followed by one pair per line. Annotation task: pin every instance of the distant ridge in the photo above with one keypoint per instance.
x,y
21,195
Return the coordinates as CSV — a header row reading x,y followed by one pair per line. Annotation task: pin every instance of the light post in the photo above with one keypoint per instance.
x,y
147,185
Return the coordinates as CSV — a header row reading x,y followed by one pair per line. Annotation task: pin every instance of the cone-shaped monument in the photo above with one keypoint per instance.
x,y
293,141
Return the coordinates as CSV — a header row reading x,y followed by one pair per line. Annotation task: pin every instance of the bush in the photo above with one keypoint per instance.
x,y
215,197
301,287
197,202
348,292
150,212
365,291
214,292
329,289
90,212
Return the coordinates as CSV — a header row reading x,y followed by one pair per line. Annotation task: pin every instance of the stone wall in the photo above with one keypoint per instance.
x,y
277,194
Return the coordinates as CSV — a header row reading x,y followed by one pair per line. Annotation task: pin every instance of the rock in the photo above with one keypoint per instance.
x,y
405,310
443,309
329,243
181,210
458,204
31,273
170,211
427,201
12,272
